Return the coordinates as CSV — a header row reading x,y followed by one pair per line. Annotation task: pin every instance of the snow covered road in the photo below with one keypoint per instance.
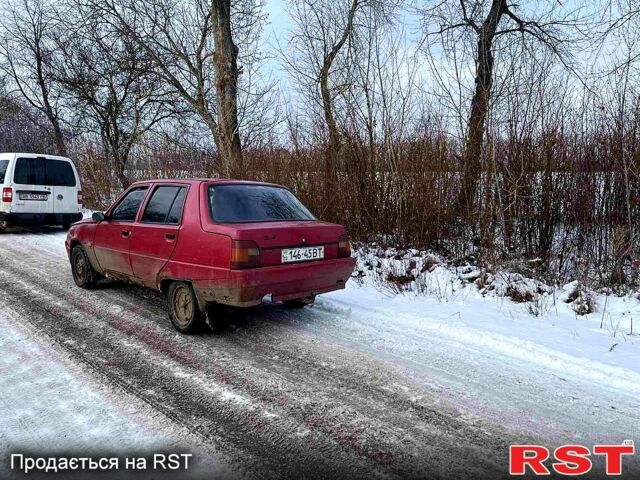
x,y
360,385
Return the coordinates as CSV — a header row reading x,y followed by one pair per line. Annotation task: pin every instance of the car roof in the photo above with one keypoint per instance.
x,y
212,181
5,155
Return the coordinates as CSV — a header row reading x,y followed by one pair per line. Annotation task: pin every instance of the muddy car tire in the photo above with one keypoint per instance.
x,y
183,309
83,273
300,302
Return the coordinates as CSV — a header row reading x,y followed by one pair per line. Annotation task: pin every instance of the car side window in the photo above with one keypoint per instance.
x,y
165,205
129,205
175,214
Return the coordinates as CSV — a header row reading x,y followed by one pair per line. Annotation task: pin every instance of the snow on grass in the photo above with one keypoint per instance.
x,y
596,336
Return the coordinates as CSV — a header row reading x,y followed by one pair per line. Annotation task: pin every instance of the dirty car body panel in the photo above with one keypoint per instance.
x,y
235,242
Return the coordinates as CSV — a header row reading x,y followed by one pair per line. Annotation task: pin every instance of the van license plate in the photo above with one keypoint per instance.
x,y
42,197
302,254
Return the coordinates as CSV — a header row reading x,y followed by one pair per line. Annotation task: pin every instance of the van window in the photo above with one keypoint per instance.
x,y
60,174
4,164
29,171
41,171
165,205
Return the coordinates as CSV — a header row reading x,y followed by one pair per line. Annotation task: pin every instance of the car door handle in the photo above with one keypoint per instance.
x,y
170,236
126,233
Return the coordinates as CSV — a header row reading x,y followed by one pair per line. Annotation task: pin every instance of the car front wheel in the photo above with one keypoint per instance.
x,y
183,308
83,273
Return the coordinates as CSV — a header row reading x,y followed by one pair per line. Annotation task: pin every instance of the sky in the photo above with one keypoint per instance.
x,y
278,17
277,28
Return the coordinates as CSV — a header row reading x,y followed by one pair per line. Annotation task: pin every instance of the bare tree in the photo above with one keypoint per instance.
x,y
183,40
108,82
484,22
321,31
22,127
27,51
225,60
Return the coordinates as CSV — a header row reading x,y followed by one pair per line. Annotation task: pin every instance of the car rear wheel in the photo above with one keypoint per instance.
x,y
83,273
300,302
3,225
183,309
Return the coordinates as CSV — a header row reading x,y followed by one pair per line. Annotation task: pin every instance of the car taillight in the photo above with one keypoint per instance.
x,y
80,198
244,254
7,195
344,247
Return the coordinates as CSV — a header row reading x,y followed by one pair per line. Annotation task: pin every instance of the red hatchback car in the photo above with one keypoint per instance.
x,y
211,242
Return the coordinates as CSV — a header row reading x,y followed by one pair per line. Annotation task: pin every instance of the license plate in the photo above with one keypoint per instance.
x,y
302,254
42,197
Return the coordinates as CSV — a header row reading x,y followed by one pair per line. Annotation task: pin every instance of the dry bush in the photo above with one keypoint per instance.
x,y
555,203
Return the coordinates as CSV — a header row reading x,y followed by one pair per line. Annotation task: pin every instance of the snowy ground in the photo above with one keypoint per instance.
x,y
365,376
49,405
555,375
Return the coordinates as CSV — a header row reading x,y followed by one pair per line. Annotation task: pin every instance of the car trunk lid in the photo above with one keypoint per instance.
x,y
273,237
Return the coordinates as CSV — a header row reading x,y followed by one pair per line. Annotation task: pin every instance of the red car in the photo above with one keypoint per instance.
x,y
211,242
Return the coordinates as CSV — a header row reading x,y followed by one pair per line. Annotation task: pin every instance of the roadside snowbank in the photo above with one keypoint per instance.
x,y
504,312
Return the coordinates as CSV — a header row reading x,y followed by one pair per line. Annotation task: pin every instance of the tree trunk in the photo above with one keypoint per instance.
x,y
333,146
546,227
472,154
58,138
226,67
119,170
48,109
333,149
323,78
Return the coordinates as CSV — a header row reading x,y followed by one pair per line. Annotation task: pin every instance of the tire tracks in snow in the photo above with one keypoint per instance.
x,y
282,403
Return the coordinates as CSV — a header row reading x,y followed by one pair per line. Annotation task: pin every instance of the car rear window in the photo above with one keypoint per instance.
x,y
41,171
255,203
4,164
165,205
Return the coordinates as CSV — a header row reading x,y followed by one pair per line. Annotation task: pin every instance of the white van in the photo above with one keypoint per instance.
x,y
38,190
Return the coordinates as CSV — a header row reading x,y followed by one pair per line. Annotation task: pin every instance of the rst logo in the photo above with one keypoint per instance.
x,y
567,459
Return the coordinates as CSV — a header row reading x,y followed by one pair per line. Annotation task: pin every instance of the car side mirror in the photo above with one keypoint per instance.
x,y
98,217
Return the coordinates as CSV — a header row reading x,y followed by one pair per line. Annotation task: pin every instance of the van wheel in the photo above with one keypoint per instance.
x,y
300,302
3,225
83,273
183,309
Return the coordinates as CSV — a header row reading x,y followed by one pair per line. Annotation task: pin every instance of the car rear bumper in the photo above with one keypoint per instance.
x,y
246,288
40,218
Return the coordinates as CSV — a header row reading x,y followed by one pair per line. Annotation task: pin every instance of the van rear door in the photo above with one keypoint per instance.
x,y
32,194
64,185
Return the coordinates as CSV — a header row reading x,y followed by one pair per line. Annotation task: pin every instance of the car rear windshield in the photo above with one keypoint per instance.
x,y
4,164
255,203
41,171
